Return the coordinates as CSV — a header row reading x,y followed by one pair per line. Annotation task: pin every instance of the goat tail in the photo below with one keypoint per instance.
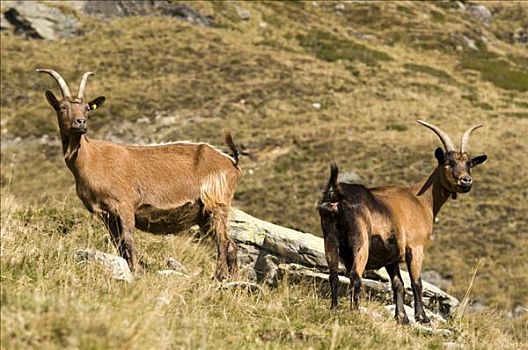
x,y
235,153
332,181
332,188
331,193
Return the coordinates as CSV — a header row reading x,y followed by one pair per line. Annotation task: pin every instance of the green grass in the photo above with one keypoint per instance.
x,y
497,71
328,47
437,73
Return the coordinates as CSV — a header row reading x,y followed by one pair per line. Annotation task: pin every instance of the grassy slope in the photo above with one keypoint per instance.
x,y
50,301
260,82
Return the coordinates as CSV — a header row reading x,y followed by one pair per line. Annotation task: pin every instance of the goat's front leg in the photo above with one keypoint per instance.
x,y
121,227
397,288
414,258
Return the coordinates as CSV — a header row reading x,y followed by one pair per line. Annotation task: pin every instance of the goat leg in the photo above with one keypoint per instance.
x,y
414,259
397,288
121,228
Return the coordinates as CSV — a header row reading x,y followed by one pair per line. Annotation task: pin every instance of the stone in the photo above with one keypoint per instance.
x,y
436,319
167,273
300,256
175,265
242,13
469,43
339,7
480,13
316,105
121,8
520,36
35,20
243,285
116,265
449,345
437,279
517,312
350,177
299,274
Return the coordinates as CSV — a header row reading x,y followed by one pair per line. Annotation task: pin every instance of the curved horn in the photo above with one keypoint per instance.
x,y
465,137
82,86
446,140
60,80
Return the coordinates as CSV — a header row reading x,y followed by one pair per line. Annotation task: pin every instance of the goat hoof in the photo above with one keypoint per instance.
x,y
404,320
422,319
221,276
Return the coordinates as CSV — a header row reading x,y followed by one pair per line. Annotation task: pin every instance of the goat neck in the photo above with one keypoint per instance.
x,y
431,193
75,148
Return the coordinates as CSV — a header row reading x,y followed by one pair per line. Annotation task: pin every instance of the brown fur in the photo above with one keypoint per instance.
x,y
383,226
160,188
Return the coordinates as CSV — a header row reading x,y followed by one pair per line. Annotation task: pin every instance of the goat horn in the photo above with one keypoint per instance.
x,y
465,137
60,80
446,140
82,86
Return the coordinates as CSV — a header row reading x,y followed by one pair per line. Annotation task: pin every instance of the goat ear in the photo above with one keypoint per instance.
x,y
439,155
52,100
96,103
478,160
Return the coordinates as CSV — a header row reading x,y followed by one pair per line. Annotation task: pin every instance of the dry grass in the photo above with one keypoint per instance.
x,y
50,301
260,82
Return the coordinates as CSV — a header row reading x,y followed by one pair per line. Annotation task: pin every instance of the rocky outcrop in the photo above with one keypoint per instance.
x,y
271,252
142,8
35,20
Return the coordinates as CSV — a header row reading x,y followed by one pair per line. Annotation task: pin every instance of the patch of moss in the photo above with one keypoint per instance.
x,y
396,127
437,16
519,115
329,47
437,73
497,71
404,9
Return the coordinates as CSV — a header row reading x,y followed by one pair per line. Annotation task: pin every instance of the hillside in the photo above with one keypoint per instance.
x,y
299,84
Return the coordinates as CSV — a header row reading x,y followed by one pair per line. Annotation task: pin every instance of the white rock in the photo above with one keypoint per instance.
x,y
480,13
113,263
316,105
171,273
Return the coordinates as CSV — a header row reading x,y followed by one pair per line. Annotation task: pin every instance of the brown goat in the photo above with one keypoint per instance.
x,y
383,226
160,188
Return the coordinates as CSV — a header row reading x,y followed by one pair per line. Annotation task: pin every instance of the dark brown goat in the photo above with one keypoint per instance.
x,y
383,226
159,188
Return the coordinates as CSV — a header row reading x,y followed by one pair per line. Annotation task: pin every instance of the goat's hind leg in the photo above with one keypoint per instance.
x,y
331,245
356,272
226,262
